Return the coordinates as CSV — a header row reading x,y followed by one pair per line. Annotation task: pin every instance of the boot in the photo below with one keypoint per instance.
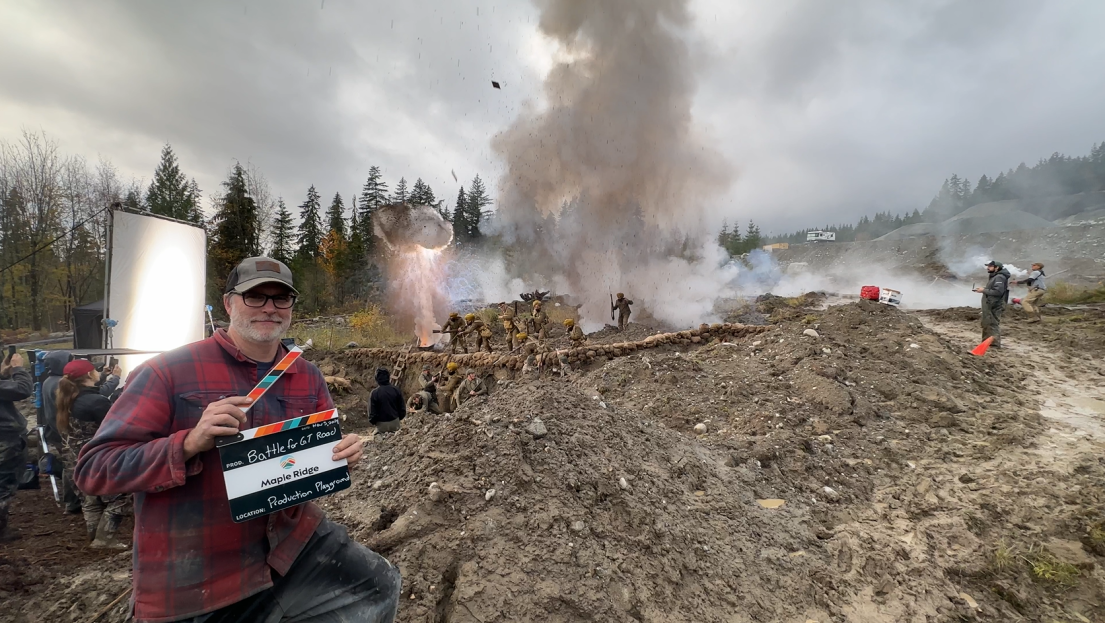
x,y
105,533
7,533
91,523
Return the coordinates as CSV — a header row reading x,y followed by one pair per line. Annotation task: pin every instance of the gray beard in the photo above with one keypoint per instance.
x,y
246,329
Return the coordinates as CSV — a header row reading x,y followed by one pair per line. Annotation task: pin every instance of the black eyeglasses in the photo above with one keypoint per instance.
x,y
279,301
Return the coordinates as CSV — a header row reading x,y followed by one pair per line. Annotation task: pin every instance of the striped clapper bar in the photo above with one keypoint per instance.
x,y
280,465
274,374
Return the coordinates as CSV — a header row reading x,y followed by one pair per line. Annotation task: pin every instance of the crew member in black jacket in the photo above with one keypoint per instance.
x,y
385,405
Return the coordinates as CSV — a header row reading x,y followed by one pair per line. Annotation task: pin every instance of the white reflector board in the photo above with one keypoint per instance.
x,y
156,288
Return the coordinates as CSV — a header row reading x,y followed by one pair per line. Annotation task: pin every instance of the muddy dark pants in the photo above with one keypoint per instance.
x,y
334,580
13,461
991,323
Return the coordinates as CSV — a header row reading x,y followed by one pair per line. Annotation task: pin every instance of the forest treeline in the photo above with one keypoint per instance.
x,y
1050,177
53,218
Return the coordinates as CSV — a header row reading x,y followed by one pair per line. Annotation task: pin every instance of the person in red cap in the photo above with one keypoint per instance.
x,y
192,562
81,408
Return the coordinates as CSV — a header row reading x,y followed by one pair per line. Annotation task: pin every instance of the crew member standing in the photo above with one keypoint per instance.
x,y
15,384
191,561
385,404
1037,288
80,409
994,297
622,305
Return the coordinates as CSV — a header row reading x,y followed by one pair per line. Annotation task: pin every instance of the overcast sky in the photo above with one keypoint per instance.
x,y
827,110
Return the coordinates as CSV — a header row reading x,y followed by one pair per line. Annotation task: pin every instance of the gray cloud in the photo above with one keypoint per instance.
x,y
826,110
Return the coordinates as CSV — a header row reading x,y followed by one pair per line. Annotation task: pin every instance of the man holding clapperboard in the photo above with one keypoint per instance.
x,y
223,476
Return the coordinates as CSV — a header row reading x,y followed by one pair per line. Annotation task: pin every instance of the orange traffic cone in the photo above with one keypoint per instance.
x,y
981,349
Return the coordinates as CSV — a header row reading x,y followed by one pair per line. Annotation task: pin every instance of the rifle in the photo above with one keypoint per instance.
x,y
611,308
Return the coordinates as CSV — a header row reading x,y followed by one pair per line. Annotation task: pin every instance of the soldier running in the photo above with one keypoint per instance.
x,y
622,306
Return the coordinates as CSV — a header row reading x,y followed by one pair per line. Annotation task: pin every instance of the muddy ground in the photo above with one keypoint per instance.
x,y
874,471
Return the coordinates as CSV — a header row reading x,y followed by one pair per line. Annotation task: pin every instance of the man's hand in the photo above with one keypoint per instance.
x,y
979,290
219,419
116,371
350,448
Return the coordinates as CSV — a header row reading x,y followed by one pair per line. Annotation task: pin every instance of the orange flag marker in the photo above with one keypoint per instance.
x,y
981,349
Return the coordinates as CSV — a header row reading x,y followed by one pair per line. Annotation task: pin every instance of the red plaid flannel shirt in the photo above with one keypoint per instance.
x,y
189,557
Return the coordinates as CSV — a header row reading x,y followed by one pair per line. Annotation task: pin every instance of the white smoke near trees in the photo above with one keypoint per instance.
x,y
607,181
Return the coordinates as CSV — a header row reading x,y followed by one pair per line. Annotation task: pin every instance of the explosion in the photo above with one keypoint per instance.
x,y
417,236
607,184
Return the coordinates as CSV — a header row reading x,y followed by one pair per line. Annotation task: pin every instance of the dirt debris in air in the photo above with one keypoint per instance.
x,y
869,470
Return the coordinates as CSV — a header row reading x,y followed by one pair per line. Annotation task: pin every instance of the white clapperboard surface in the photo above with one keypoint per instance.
x,y
279,465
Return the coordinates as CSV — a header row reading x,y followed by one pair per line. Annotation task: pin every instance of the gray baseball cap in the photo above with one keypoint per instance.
x,y
254,271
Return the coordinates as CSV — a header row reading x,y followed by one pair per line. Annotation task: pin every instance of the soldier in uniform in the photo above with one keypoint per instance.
x,y
454,327
574,332
426,378
471,387
480,329
622,305
506,314
424,401
540,321
449,385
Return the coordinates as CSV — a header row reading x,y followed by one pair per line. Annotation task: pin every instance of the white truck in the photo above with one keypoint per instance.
x,y
821,236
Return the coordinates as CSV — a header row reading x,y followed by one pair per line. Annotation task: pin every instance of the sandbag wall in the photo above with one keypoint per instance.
x,y
585,354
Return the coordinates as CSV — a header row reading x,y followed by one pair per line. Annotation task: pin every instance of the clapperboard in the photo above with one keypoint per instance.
x,y
279,465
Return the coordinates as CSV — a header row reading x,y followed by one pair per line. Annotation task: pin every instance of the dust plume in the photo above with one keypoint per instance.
x,y
416,236
607,182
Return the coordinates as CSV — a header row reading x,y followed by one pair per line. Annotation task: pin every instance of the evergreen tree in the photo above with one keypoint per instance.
x,y
168,192
193,200
310,226
723,237
422,194
460,217
355,247
335,216
374,194
282,233
400,195
474,203
237,231
751,237
133,200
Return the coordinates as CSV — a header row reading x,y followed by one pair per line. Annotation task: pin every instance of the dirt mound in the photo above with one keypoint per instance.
x,y
593,498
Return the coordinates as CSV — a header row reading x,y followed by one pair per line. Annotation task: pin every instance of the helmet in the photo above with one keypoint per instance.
x,y
569,322
469,317
620,295
452,366
521,337
454,315
536,303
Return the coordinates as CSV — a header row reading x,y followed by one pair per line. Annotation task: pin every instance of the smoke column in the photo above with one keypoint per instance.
x,y
416,236
606,181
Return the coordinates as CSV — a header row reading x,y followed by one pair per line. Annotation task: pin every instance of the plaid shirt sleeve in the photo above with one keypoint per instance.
x,y
134,449
190,557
